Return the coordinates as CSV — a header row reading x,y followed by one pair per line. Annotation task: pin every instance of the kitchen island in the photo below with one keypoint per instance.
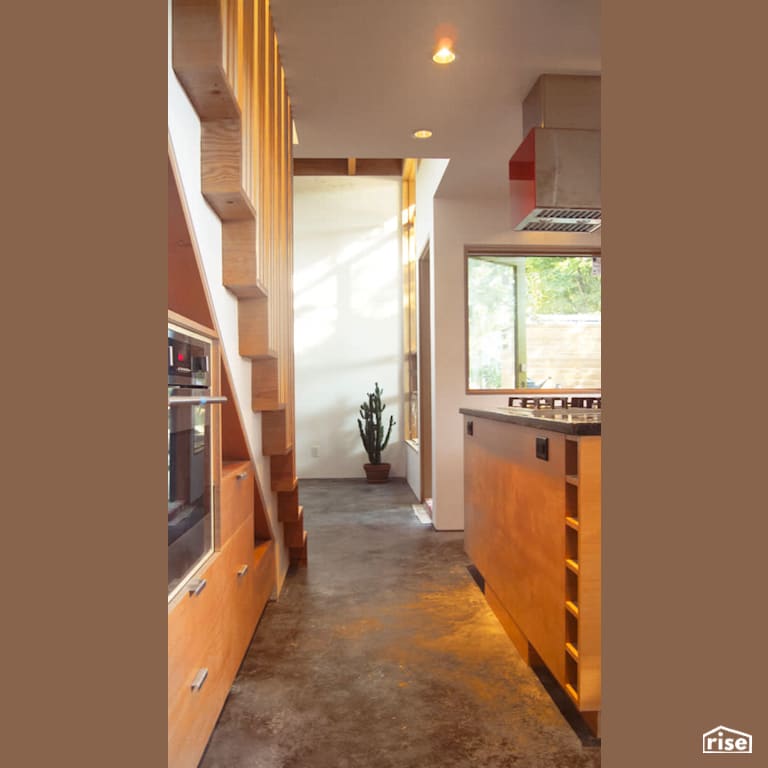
x,y
532,529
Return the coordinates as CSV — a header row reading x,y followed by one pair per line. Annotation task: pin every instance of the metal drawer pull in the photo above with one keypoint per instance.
x,y
242,476
243,571
200,677
179,400
196,586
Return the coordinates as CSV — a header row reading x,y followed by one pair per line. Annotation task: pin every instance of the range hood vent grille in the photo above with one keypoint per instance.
x,y
561,220
558,160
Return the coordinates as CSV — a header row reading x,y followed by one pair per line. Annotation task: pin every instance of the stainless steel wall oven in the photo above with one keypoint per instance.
x,y
190,454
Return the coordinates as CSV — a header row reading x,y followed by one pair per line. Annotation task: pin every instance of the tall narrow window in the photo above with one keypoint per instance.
x,y
533,322
410,328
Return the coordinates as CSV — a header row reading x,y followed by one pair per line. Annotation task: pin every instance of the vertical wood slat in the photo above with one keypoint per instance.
x,y
274,249
268,170
231,39
245,90
261,149
255,116
279,277
287,235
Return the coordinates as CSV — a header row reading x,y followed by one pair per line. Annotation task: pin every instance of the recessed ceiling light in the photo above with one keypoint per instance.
x,y
422,134
444,55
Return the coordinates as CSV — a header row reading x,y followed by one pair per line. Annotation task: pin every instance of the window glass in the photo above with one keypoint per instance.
x,y
534,322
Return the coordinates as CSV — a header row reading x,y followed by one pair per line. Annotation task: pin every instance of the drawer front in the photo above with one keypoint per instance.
x,y
196,689
236,500
187,627
239,607
209,635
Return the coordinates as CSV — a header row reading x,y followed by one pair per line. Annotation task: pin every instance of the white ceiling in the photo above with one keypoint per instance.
x,y
361,77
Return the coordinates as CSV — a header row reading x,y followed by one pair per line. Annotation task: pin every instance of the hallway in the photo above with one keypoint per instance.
x,y
383,653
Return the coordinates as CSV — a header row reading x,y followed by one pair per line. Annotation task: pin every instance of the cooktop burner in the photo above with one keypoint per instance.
x,y
556,401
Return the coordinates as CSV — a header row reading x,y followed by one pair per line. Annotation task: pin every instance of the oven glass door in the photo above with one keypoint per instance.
x,y
190,489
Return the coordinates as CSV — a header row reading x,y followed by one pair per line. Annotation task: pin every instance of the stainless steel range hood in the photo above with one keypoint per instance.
x,y
559,158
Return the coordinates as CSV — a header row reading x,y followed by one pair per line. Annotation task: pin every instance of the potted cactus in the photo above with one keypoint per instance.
x,y
372,434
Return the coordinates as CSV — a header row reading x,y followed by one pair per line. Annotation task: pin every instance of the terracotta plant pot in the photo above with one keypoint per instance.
x,y
376,473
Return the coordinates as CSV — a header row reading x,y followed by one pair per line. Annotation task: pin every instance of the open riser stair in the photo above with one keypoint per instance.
x,y
226,56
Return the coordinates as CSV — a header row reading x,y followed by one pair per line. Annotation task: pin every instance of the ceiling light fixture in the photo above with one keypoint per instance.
x,y
422,134
444,51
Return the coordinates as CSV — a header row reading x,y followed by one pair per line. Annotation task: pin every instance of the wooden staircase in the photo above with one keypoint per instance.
x,y
226,56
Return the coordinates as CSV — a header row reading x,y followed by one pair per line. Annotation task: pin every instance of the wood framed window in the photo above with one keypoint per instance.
x,y
533,319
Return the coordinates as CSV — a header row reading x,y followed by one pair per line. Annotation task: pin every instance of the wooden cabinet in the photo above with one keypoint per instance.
x,y
532,529
236,505
209,632
582,572
196,689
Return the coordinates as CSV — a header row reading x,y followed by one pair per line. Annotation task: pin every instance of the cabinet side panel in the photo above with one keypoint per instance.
x,y
514,510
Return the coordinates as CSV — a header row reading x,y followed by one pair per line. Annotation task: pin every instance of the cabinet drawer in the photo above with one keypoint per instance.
x,y
188,621
195,679
236,498
239,606
209,632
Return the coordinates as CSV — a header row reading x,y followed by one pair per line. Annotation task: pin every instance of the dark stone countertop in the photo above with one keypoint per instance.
x,y
571,421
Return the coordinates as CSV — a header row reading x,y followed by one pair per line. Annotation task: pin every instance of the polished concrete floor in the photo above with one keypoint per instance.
x,y
382,653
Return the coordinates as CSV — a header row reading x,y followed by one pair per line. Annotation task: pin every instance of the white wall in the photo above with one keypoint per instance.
x,y
348,304
184,137
428,177
458,223
413,467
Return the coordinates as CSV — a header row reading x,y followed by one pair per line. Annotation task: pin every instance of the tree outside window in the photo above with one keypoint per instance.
x,y
534,322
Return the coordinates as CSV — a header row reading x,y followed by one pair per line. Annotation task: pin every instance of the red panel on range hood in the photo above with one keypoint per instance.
x,y
522,166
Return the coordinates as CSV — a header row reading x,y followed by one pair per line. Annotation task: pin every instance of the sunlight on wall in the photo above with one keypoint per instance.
x,y
373,273
315,313
348,318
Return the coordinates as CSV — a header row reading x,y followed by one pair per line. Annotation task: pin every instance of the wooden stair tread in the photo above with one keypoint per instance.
x,y
280,485
255,290
288,507
298,555
294,533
